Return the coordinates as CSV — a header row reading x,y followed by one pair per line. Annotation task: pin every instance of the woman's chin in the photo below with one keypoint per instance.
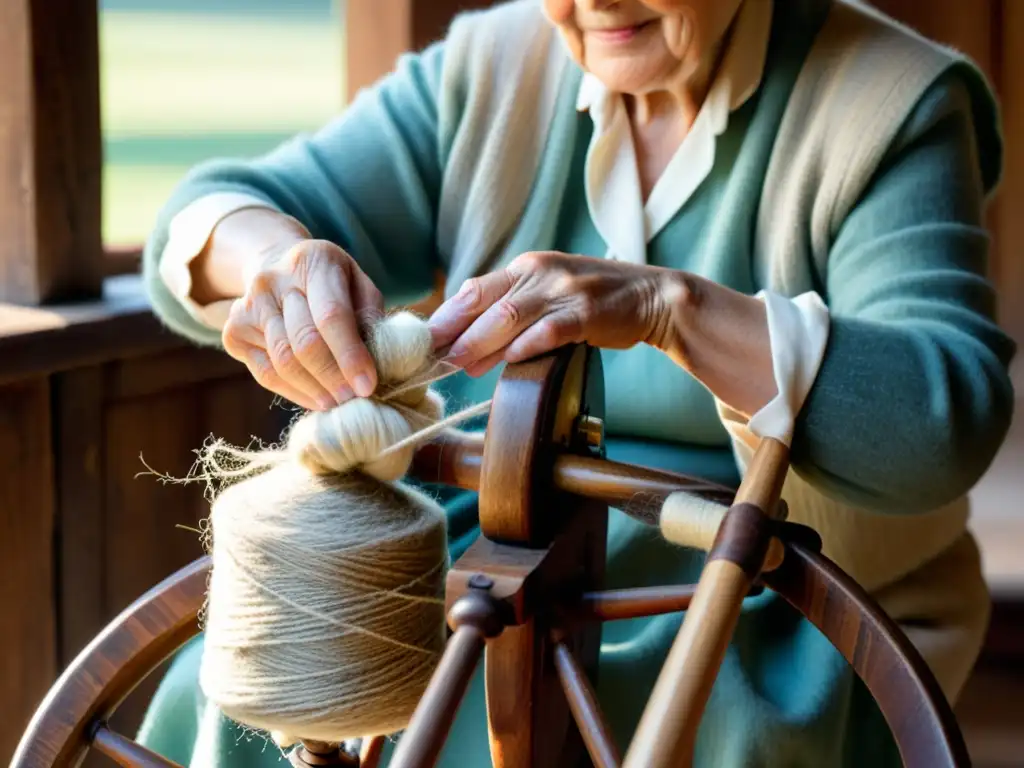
x,y
627,74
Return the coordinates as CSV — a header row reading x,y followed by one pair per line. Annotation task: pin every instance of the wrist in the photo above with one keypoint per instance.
x,y
239,247
677,309
720,337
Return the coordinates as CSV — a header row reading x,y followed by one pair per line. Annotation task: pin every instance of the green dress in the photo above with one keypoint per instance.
x,y
913,348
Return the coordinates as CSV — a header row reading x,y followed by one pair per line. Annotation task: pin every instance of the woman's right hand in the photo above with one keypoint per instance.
x,y
296,326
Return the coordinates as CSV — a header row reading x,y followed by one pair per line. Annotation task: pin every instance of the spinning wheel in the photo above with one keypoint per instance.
x,y
528,591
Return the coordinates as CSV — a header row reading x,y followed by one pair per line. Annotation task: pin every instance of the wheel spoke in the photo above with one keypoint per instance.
x,y
585,709
126,752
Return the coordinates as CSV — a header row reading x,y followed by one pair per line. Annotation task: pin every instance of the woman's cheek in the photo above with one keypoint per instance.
x,y
678,33
562,15
560,11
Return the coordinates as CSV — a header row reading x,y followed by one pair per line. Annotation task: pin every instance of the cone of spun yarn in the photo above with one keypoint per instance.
x,y
325,614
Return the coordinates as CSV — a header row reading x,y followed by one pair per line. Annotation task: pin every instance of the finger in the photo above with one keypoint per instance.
x,y
260,366
484,366
497,327
367,300
475,297
549,333
246,334
330,305
242,332
283,357
310,348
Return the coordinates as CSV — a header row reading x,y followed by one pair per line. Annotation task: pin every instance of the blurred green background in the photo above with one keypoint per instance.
x,y
184,80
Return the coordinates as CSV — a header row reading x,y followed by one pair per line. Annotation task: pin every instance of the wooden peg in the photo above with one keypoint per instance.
x,y
318,754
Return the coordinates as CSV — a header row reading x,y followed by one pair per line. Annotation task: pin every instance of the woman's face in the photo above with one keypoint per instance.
x,y
639,46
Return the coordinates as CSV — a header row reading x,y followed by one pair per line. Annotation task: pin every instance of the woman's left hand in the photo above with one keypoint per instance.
x,y
545,300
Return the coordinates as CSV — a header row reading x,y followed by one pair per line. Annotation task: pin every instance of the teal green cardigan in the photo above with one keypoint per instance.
x,y
910,405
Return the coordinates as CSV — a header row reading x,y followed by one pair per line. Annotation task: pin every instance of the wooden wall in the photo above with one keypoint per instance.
x,y
381,30
86,531
28,644
991,32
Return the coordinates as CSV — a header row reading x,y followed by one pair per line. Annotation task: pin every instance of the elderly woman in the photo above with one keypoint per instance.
x,y
769,214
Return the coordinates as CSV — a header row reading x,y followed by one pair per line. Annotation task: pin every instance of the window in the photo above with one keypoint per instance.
x,y
186,80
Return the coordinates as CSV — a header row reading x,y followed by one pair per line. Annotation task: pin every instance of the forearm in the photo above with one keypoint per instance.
x,y
898,416
238,244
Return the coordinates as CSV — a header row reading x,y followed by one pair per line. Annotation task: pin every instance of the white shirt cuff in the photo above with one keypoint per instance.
x,y
188,234
798,329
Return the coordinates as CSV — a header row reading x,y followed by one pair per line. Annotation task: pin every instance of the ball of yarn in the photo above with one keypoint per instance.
x,y
325,614
357,433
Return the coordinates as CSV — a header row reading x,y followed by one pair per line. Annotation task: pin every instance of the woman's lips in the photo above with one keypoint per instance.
x,y
618,34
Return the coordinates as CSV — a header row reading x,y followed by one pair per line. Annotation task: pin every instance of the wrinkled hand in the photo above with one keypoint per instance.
x,y
543,301
296,327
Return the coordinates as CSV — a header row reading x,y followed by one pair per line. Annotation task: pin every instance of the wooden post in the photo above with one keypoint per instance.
x,y
989,31
379,31
50,151
1009,266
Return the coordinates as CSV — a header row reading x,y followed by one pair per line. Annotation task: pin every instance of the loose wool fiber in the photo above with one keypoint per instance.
x,y
325,614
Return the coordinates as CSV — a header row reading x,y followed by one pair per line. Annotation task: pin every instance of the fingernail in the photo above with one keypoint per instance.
x,y
363,385
344,394
325,403
439,319
453,354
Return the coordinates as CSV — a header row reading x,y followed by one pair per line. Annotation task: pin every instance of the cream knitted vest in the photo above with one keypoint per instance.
x,y
842,116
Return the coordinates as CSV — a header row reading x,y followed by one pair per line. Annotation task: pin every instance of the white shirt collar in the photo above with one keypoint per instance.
x,y
612,184
738,77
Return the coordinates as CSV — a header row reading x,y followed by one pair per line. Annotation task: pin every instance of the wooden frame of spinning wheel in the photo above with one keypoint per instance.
x,y
529,591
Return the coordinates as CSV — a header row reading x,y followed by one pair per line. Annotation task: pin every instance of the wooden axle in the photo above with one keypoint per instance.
x,y
455,460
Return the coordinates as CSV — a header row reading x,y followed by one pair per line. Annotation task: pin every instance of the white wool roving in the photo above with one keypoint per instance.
x,y
325,614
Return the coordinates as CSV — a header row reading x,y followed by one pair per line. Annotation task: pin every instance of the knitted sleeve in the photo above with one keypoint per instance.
x,y
913,398
368,181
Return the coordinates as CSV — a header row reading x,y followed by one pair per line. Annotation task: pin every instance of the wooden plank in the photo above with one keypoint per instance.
x,y
379,31
149,374
28,643
50,151
163,429
124,260
1011,194
79,469
36,340
143,544
238,410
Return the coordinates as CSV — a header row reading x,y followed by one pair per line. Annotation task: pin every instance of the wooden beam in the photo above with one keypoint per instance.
x,y
990,32
379,31
28,642
966,26
1011,192
79,471
50,151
